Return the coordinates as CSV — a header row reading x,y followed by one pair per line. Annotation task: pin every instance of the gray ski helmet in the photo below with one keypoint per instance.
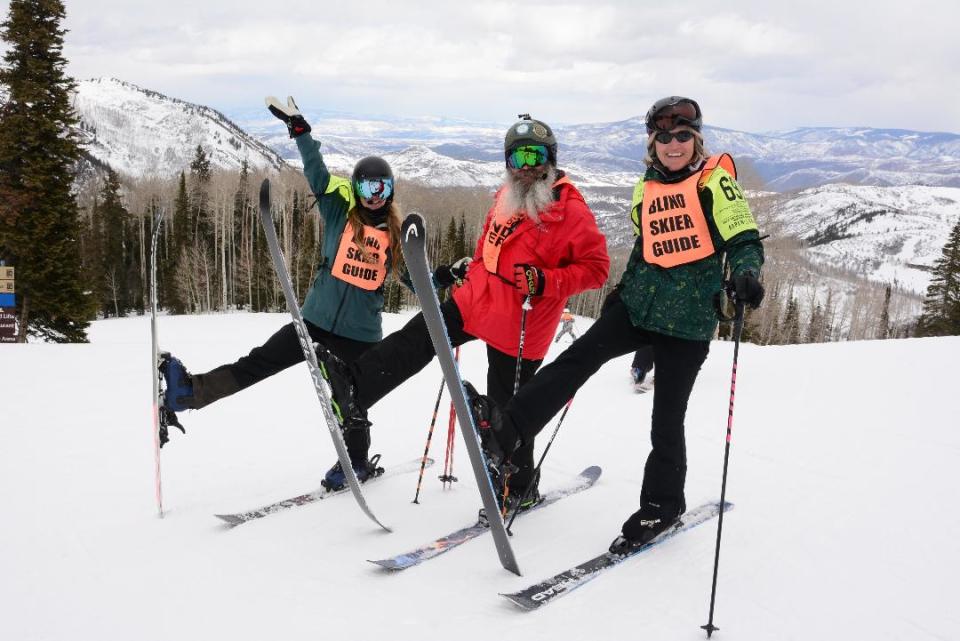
x,y
528,131
371,167
673,111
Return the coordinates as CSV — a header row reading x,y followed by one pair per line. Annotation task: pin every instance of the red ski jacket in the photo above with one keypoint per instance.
x,y
566,245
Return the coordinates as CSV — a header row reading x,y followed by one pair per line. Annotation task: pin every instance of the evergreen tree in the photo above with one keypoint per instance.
x,y
884,329
791,323
39,221
941,307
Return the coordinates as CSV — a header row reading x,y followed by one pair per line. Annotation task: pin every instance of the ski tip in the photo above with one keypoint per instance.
x,y
265,193
230,520
592,472
388,564
524,604
413,225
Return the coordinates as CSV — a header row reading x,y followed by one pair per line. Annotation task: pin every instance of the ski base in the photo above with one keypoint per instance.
x,y
583,481
544,592
233,520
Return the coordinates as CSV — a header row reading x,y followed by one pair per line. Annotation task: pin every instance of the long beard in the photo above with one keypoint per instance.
x,y
531,199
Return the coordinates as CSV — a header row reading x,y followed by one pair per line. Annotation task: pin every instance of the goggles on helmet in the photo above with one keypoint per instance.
x,y
664,137
368,188
682,111
527,156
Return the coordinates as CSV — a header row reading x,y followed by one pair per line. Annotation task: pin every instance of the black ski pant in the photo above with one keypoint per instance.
x,y
678,362
279,352
382,368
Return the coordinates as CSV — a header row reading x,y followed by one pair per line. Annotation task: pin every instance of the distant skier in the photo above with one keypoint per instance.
x,y
566,325
641,366
343,307
688,213
540,239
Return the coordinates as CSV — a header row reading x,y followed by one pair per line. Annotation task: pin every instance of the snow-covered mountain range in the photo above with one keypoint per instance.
x,y
143,133
889,227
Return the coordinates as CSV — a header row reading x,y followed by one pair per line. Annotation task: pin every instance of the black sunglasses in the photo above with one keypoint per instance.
x,y
664,137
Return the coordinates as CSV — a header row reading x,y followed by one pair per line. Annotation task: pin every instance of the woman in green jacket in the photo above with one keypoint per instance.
x,y
343,308
688,213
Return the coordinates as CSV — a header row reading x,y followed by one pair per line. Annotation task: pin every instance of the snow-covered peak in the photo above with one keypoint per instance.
x,y
144,133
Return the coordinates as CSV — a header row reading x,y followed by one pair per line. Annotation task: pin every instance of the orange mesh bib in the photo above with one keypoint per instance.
x,y
675,231
500,228
351,266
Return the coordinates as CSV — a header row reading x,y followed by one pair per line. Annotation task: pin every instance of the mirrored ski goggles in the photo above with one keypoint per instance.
x,y
664,137
527,156
368,188
671,116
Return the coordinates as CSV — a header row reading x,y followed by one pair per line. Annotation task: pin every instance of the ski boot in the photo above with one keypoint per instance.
x,y
175,390
343,387
643,526
178,384
356,435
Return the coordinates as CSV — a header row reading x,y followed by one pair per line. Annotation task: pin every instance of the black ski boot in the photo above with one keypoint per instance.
x,y
356,435
644,525
342,385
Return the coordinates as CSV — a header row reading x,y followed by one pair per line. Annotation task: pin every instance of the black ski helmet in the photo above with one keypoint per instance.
x,y
371,167
674,111
528,131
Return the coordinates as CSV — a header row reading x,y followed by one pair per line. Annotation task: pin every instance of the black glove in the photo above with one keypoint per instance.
x,y
289,114
748,288
446,275
529,279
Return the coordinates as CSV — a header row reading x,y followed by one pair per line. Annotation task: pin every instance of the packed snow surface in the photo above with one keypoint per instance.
x,y
843,465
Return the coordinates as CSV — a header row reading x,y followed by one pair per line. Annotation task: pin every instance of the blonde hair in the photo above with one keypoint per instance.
x,y
355,220
699,151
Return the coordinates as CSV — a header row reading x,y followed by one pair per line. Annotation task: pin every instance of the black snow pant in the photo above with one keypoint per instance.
x,y
678,362
643,359
405,352
279,352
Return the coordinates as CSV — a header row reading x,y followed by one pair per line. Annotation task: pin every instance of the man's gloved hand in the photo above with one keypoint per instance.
x,y
289,114
446,275
748,288
529,279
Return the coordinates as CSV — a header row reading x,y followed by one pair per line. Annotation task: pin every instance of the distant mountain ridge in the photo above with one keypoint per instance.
x,y
139,132
889,227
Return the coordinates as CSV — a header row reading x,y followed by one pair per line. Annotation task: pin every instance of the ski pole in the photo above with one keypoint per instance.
x,y
524,308
523,333
536,471
448,476
426,450
737,331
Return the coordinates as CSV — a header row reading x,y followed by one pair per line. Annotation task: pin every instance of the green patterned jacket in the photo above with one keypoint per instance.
x,y
678,301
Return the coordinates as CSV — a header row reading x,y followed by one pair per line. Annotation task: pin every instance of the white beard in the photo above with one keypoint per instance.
x,y
532,200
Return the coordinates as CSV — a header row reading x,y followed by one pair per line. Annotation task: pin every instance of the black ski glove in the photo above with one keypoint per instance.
x,y
446,275
289,114
748,288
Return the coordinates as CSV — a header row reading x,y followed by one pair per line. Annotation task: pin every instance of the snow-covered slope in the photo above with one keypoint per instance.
x,y
842,527
888,234
143,133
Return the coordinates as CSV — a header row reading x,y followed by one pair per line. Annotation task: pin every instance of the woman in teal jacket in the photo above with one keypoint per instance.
x,y
688,213
342,310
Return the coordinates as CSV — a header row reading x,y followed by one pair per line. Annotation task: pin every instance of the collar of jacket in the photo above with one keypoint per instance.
x,y
660,173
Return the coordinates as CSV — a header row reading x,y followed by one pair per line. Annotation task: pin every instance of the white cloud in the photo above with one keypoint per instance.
x,y
752,64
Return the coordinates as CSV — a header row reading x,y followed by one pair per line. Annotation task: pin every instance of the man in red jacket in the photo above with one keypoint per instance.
x,y
539,240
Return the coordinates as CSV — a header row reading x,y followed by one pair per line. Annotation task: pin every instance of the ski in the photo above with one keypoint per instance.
x,y
159,428
413,236
233,520
323,394
544,592
431,550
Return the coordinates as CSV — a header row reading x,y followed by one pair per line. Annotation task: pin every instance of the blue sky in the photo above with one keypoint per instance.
x,y
753,65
